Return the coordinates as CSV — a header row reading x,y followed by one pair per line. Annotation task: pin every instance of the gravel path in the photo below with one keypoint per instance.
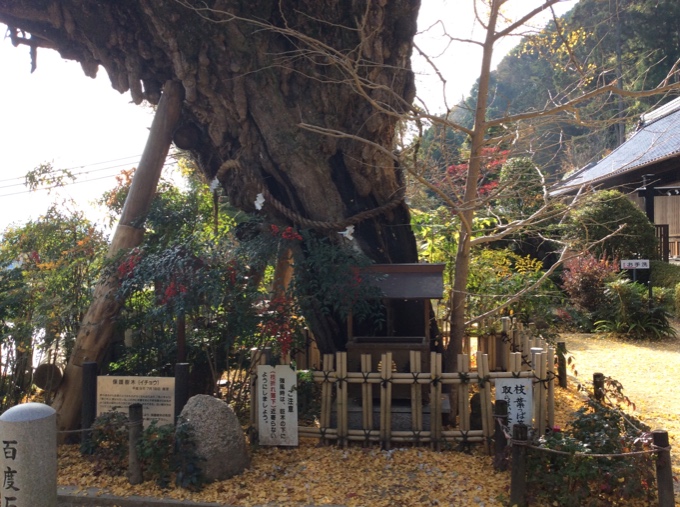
x,y
648,371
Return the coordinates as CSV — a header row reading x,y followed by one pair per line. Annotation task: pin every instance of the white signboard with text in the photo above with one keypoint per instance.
x,y
518,393
156,394
635,264
277,405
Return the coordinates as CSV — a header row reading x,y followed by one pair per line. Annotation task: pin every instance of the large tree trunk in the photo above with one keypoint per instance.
x,y
295,100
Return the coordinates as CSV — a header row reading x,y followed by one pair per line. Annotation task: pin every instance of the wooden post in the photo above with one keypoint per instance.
x,y
518,477
89,410
182,388
464,392
415,365
664,473
386,400
341,397
181,326
598,386
96,329
326,394
136,416
436,400
366,395
500,462
562,364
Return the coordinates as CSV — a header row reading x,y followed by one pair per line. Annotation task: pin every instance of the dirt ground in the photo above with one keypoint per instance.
x,y
648,371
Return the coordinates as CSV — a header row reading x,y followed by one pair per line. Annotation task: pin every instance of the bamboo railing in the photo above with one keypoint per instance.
x,y
511,353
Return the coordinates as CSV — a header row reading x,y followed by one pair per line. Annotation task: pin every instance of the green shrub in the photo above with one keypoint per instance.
x,y
108,443
156,452
626,309
162,450
601,214
579,478
309,396
664,274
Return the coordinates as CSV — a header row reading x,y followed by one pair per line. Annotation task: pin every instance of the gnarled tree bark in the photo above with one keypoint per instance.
x,y
261,80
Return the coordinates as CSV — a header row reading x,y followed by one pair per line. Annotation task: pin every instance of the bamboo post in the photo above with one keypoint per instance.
x,y
386,400
501,415
562,364
435,399
341,396
487,388
515,362
518,474
542,392
551,387
493,363
526,351
516,341
416,392
664,473
366,393
326,393
463,363
537,393
485,398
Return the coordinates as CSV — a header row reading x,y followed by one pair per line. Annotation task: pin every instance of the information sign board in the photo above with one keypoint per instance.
x,y
277,404
518,393
635,264
156,394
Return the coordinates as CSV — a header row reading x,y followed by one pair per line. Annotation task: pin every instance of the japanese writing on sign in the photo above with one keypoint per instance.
x,y
156,394
635,264
9,483
277,405
518,393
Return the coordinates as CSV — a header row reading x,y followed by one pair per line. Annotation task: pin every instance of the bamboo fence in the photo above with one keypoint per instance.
x,y
511,353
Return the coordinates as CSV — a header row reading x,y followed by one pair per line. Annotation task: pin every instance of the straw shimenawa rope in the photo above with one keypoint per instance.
x,y
295,217
340,225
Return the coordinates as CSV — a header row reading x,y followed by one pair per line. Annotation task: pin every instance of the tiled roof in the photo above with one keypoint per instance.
x,y
657,139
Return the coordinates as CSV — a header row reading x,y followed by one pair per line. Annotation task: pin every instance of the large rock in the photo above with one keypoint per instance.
x,y
218,436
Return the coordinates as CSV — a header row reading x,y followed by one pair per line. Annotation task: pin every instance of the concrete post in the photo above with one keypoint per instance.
x,y
28,435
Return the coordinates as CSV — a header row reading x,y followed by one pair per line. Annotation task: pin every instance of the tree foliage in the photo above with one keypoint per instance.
x,y
604,213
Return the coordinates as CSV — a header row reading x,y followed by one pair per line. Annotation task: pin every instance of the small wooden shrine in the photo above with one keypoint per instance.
x,y
407,321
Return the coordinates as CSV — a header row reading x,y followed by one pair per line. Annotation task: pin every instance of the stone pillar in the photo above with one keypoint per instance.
x,y
28,436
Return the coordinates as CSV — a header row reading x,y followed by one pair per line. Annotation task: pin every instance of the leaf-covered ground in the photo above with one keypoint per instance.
x,y
414,476
649,372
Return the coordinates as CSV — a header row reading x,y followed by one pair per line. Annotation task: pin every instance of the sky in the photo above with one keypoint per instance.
x,y
59,115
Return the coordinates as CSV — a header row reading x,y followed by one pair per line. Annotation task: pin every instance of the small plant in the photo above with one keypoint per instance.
x,y
582,477
584,279
108,443
309,396
629,311
188,474
156,452
163,450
